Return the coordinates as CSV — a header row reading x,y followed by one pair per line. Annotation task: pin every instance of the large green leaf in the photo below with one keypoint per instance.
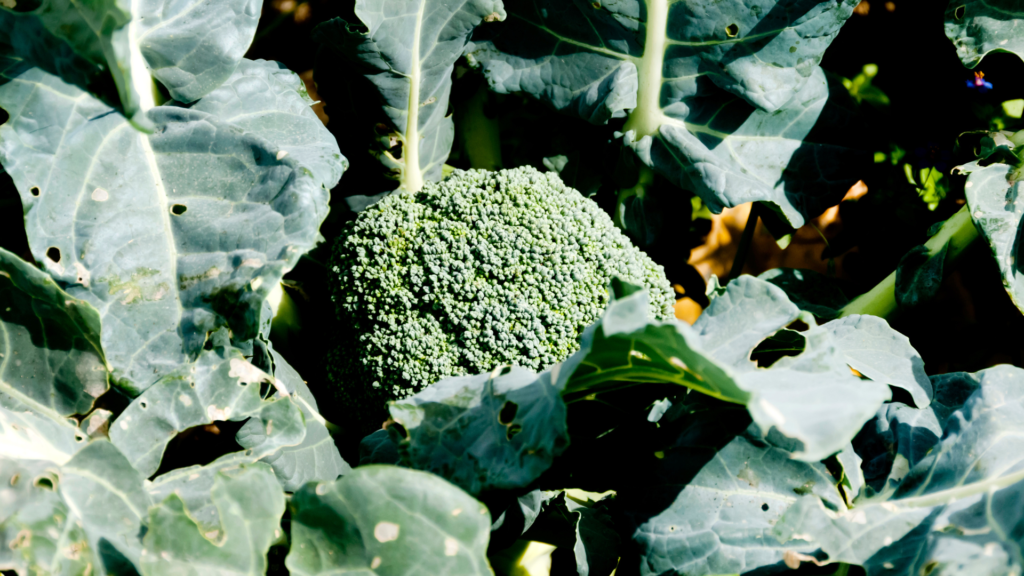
x,y
957,495
112,48
220,385
270,101
485,432
871,347
718,518
193,46
79,516
388,521
100,33
249,503
992,195
317,458
978,27
724,98
811,398
170,235
409,53
51,360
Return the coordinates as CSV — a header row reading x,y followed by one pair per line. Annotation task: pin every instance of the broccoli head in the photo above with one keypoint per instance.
x,y
480,270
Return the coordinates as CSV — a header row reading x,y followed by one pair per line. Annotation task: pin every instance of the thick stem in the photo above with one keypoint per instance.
x,y
645,181
480,133
958,232
412,176
745,241
646,118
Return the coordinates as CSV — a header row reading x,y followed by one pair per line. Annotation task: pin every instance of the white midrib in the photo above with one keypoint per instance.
x,y
412,176
645,119
142,82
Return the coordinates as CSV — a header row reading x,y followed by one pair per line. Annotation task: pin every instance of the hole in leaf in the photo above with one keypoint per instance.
x,y
732,30
777,346
596,5
53,254
34,191
959,12
513,430
507,413
505,370
178,209
143,405
208,345
764,506
45,482
4,116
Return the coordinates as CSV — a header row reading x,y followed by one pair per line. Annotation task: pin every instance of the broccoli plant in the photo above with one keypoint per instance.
x,y
501,385
481,270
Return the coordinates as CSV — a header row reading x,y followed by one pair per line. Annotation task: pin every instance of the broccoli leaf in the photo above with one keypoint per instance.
x,y
485,432
388,521
93,36
715,516
954,498
992,194
809,290
317,458
51,360
977,27
249,503
192,46
268,100
811,398
409,53
73,516
725,99
220,385
171,235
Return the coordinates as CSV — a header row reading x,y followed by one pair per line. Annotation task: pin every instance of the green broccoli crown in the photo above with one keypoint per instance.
x,y
480,270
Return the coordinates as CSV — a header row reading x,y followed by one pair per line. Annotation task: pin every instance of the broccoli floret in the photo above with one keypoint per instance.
x,y
480,270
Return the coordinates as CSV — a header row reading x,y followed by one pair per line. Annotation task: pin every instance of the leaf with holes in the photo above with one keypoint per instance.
x,y
249,504
992,189
715,516
388,521
220,385
170,235
726,99
408,52
487,432
317,458
75,516
51,359
962,496
811,398
977,27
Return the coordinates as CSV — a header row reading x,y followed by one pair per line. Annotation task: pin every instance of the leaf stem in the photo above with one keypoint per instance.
x,y
958,233
745,241
481,134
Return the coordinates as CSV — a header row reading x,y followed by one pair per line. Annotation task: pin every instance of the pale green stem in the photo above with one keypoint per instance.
x,y
646,118
957,233
645,181
481,135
